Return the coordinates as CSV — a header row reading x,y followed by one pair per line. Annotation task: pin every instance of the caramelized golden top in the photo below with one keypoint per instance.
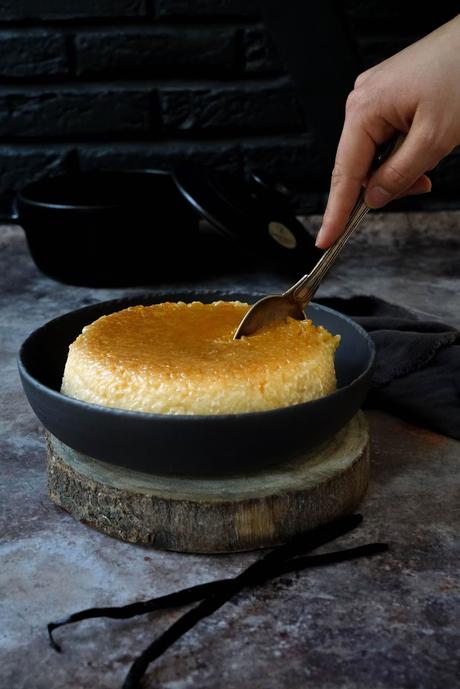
x,y
181,358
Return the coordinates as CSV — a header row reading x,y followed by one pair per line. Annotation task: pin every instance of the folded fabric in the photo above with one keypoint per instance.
x,y
417,372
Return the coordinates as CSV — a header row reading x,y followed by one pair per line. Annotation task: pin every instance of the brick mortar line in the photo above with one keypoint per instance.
x,y
129,26
172,82
206,138
142,20
44,144
152,27
236,77
265,138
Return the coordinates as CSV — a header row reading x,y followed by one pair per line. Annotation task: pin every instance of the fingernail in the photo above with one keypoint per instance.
x,y
376,197
419,193
319,237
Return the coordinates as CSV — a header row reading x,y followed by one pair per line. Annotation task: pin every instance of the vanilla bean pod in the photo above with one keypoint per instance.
x,y
280,561
295,546
124,612
302,543
196,593
191,618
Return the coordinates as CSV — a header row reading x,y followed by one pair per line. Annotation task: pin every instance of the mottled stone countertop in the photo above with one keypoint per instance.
x,y
387,622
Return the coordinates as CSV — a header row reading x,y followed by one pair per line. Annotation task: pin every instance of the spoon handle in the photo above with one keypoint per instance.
x,y
304,290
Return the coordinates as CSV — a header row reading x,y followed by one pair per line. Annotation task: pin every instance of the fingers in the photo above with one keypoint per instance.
x,y
421,186
401,175
361,78
418,152
355,153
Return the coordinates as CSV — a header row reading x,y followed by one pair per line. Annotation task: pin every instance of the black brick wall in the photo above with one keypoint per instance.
x,y
146,83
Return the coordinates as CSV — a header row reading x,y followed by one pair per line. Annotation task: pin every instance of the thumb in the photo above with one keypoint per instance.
x,y
418,153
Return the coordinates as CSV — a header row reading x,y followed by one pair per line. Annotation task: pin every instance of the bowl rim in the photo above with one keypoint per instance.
x,y
75,207
181,418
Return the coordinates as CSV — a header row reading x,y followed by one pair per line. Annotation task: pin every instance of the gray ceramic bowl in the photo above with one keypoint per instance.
x,y
193,445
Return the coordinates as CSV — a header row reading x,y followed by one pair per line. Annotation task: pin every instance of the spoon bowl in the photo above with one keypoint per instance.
x,y
266,310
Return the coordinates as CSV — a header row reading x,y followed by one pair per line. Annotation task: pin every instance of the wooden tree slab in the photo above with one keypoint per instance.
x,y
213,515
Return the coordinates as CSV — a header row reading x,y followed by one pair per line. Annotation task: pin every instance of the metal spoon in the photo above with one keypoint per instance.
x,y
293,302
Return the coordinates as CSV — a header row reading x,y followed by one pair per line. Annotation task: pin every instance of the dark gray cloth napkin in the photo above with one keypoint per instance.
x,y
417,372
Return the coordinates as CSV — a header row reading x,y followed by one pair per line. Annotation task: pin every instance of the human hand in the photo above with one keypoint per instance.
x,y
417,92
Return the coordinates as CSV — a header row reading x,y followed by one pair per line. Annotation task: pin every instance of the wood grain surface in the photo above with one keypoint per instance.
x,y
212,515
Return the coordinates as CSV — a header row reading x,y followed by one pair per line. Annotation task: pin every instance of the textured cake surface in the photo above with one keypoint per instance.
x,y
178,358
